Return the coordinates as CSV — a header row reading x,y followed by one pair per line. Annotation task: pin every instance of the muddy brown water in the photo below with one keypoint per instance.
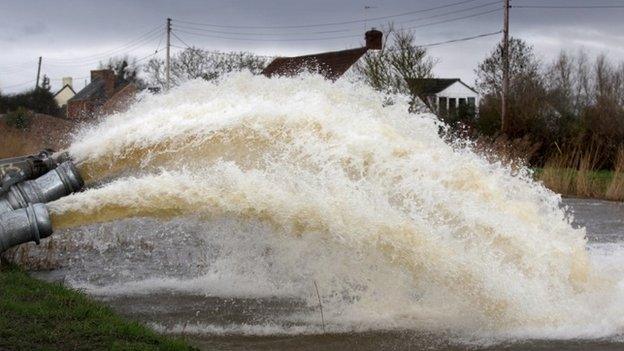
x,y
223,320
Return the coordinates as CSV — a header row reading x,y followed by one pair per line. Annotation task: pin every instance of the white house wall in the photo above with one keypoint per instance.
x,y
458,90
64,95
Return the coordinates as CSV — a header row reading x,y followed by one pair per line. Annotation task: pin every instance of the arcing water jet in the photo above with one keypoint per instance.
x,y
477,242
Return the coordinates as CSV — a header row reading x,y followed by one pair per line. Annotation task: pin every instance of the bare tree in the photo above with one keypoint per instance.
x,y
125,68
400,59
522,64
193,63
526,91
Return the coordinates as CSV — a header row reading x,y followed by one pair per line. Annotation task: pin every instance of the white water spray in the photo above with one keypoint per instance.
x,y
473,246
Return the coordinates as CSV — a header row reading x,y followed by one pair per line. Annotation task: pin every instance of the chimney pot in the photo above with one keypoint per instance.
x,y
373,39
68,81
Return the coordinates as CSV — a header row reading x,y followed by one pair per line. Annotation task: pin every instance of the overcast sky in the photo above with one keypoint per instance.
x,y
72,36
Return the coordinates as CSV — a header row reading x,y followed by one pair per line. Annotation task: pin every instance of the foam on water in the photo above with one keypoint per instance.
x,y
416,233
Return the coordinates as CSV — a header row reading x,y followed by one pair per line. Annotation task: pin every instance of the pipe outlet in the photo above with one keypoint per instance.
x,y
23,225
59,182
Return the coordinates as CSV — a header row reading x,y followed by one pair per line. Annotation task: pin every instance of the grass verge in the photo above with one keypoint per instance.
x,y
35,315
576,183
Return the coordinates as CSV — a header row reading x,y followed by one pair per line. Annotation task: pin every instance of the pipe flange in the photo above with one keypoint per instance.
x,y
32,221
16,197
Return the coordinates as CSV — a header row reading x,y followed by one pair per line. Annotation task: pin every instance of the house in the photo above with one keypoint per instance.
x,y
445,96
65,93
332,65
106,93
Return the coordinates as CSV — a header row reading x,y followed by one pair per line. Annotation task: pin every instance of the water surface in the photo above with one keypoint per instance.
x,y
214,314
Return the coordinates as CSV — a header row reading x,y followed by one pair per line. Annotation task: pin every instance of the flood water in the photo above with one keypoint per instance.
x,y
168,282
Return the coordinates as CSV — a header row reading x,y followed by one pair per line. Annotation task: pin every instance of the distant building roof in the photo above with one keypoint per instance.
x,y
95,89
431,86
331,65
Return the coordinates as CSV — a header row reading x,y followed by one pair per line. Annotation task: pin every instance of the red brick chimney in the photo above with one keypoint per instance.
x,y
108,76
373,39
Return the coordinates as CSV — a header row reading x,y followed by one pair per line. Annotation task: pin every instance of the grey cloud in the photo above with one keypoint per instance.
x,y
70,29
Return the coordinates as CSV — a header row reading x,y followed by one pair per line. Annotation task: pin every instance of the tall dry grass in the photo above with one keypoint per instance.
x,y
615,191
588,162
576,172
15,142
557,175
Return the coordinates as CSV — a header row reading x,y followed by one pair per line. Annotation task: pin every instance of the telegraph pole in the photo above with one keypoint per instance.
x,y
38,73
505,57
168,66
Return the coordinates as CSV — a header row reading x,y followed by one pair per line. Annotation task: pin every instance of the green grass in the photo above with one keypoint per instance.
x,y
35,315
599,181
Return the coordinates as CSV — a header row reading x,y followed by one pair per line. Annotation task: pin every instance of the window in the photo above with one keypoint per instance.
x,y
462,102
442,105
472,101
452,105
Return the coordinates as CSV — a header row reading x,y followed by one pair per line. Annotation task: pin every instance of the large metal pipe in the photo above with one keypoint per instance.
x,y
23,225
59,182
18,169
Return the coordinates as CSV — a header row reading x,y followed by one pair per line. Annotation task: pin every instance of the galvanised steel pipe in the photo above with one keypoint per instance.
x,y
18,169
59,182
23,225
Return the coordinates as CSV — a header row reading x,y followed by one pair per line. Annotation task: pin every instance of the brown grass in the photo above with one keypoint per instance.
x,y
577,173
587,164
615,191
557,174
43,132
16,143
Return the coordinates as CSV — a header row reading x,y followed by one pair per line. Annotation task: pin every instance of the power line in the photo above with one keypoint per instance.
x,y
214,52
332,23
180,39
566,7
451,12
142,38
335,37
195,28
19,84
462,39
454,19
148,56
126,50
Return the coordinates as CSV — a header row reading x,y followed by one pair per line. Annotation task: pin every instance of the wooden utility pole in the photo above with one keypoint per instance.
x,y
38,73
505,57
168,66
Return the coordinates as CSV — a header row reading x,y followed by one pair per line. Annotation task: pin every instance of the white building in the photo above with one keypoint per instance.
x,y
65,93
445,96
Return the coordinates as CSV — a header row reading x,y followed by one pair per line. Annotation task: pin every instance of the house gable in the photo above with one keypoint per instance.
x,y
65,90
458,90
64,94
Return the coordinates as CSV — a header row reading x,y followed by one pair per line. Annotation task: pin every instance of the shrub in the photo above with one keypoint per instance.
x,y
19,119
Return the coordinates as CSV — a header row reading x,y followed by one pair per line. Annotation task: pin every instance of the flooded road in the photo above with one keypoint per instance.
x,y
215,313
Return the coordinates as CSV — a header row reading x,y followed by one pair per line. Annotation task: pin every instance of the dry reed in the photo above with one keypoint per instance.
x,y
557,174
615,191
